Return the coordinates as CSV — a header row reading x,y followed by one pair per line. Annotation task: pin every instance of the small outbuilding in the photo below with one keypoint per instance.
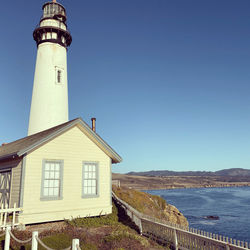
x,y
57,174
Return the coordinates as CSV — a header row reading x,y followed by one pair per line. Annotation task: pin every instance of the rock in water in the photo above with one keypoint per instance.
x,y
211,217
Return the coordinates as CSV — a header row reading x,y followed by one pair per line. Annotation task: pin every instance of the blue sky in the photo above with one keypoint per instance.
x,y
168,81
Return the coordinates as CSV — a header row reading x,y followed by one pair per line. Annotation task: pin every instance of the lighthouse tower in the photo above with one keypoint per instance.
x,y
49,105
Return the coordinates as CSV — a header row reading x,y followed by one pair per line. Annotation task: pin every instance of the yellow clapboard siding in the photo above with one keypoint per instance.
x,y
65,214
74,148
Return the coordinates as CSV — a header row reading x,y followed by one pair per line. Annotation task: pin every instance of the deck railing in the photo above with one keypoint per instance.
x,y
178,236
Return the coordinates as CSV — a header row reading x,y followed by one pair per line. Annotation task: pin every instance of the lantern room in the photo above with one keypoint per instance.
x,y
52,27
54,10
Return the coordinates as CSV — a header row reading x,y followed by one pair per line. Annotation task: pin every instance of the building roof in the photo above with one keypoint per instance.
x,y
25,145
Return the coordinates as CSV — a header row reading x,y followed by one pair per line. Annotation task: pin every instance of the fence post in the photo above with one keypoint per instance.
x,y
14,216
175,240
34,240
75,242
1,216
5,215
7,238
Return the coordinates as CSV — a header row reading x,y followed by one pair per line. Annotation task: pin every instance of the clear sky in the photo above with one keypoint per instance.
x,y
168,81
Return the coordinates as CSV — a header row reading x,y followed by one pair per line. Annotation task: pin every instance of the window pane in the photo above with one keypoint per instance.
x,y
94,175
93,168
52,175
51,183
93,184
46,183
56,175
56,191
57,166
56,183
47,166
52,167
93,190
45,191
46,175
87,168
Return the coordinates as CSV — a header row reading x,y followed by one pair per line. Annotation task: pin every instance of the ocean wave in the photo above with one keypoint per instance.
x,y
207,222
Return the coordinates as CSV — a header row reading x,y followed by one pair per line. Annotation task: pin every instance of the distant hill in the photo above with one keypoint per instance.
x,y
224,172
233,172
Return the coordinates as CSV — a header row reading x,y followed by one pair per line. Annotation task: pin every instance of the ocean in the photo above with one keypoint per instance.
x,y
230,206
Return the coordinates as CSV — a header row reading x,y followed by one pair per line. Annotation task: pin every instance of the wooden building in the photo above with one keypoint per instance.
x,y
59,173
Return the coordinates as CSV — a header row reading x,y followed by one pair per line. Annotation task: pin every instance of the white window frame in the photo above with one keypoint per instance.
x,y
88,178
44,179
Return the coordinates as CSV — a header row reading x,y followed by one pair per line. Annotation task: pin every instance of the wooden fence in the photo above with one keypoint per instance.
x,y
8,216
116,182
178,236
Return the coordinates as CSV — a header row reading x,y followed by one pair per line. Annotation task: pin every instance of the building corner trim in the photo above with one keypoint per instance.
x,y
22,181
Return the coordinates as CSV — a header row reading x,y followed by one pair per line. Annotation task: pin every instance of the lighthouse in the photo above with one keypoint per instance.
x,y
49,105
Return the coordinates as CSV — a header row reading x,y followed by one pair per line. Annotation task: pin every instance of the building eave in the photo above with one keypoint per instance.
x,y
9,157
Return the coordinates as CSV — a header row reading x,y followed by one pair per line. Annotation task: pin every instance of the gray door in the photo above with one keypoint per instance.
x,y
5,177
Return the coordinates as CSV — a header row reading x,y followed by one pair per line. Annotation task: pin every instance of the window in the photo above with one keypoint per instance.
x,y
90,179
52,180
59,75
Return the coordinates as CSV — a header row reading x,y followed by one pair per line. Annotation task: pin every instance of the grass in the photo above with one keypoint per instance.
x,y
152,205
121,232
102,220
57,241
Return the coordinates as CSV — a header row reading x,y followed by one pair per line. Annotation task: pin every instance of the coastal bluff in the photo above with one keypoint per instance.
x,y
151,205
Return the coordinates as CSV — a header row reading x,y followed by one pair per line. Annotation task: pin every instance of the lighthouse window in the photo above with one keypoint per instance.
x,y
59,76
53,35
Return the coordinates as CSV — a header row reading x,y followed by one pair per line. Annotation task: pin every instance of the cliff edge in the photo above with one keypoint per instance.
x,y
151,205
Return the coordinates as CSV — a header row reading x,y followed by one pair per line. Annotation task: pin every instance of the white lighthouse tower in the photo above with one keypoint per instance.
x,y
49,105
